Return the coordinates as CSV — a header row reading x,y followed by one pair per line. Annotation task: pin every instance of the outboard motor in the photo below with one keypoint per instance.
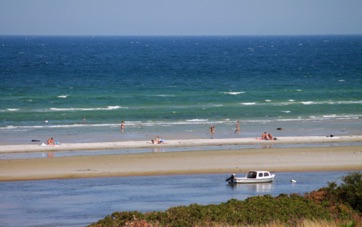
x,y
231,178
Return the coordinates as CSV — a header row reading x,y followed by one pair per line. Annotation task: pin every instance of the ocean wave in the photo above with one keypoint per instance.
x,y
331,102
9,110
308,103
293,102
187,122
12,110
336,117
248,103
197,120
63,96
58,126
164,95
233,92
87,109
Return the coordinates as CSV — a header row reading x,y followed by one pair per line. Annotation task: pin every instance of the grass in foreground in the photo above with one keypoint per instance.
x,y
330,206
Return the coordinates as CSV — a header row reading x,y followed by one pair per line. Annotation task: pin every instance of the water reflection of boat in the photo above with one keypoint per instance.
x,y
265,188
252,177
262,188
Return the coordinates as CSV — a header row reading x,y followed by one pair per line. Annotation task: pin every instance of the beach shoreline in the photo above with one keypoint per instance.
x,y
338,158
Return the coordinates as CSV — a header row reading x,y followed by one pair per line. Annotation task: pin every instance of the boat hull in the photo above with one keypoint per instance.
x,y
244,180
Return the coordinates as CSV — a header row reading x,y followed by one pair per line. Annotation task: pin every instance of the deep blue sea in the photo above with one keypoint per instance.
x,y
79,89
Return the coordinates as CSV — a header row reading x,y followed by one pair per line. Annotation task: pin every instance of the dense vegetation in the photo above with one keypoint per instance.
x,y
333,205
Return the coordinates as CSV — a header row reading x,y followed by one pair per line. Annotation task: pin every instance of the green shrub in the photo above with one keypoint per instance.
x,y
351,190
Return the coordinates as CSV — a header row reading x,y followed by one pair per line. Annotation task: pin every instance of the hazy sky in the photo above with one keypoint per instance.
x,y
180,17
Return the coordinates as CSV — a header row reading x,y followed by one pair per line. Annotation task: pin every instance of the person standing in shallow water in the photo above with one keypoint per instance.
x,y
122,126
237,130
212,131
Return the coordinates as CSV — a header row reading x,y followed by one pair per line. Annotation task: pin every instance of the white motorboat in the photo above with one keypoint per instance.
x,y
258,176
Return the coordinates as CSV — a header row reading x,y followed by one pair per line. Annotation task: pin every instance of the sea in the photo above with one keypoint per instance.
x,y
80,89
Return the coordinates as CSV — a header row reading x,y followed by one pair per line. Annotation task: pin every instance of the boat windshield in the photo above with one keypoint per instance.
x,y
251,174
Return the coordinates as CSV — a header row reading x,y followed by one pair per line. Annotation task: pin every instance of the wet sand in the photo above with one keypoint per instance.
x,y
187,162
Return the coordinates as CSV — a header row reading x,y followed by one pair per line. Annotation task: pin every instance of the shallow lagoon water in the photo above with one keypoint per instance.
x,y
80,202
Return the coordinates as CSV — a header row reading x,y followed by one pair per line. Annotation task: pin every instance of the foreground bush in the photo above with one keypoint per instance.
x,y
331,206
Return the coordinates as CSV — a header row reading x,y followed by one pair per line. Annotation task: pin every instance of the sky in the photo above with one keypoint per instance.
x,y
180,17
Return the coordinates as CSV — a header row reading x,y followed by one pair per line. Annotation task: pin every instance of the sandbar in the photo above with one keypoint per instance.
x,y
24,148
346,158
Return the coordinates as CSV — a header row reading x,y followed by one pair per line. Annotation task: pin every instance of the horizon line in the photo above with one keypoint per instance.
x,y
275,35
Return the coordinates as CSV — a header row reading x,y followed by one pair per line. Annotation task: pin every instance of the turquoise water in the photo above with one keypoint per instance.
x,y
80,202
79,89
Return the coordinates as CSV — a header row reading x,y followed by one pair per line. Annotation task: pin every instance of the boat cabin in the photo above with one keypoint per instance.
x,y
257,174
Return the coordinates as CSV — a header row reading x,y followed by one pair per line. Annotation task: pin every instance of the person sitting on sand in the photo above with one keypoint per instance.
x,y
264,136
270,136
158,140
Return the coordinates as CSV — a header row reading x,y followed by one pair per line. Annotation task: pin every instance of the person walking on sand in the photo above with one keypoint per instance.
x,y
237,130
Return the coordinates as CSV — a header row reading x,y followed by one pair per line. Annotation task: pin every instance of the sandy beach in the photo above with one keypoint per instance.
x,y
187,162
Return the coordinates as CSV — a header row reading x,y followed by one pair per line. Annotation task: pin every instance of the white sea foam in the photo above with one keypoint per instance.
x,y
234,92
285,111
347,102
87,109
58,126
308,103
197,120
164,95
330,116
331,102
336,117
248,103
63,96
10,127
12,110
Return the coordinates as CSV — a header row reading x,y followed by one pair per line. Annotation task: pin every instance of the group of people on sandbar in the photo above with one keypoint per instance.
x,y
158,140
51,142
267,136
